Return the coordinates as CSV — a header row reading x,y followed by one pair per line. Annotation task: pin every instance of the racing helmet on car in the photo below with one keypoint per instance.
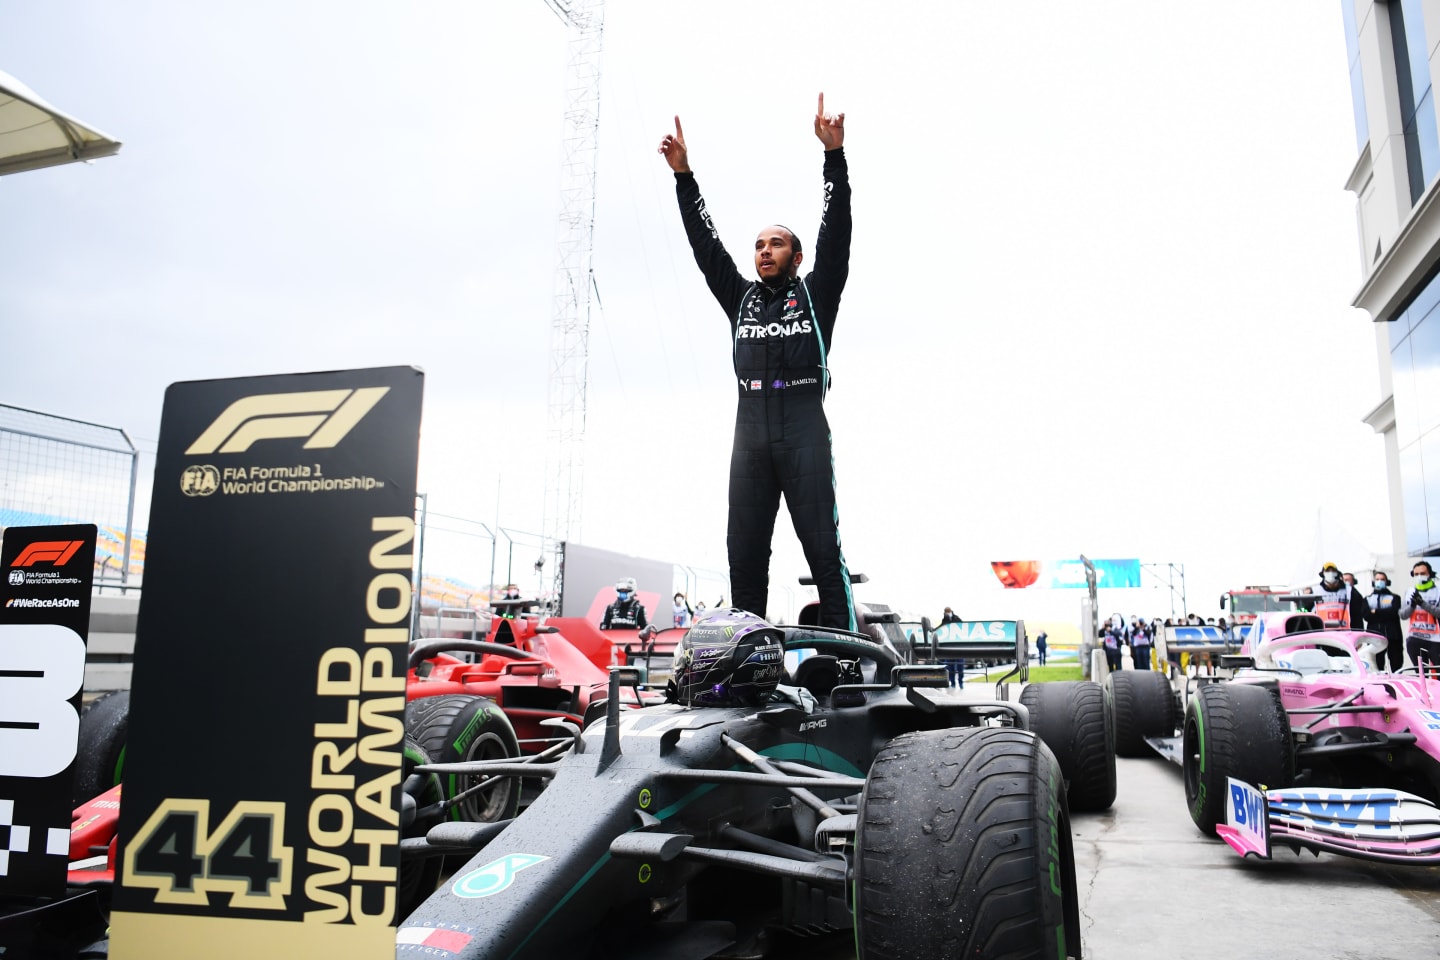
x,y
729,658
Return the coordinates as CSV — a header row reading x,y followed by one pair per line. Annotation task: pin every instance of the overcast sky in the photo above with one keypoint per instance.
x,y
1098,299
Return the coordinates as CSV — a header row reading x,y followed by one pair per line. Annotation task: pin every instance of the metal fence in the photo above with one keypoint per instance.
x,y
463,562
460,560
57,470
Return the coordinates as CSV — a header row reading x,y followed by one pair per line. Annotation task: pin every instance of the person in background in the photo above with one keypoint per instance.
x,y
1383,617
699,611
1140,639
1225,630
627,612
681,613
1422,609
1359,609
1042,643
1332,600
512,592
955,668
1110,639
1308,606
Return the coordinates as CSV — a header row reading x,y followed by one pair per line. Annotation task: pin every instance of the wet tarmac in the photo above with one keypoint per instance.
x,y
1153,886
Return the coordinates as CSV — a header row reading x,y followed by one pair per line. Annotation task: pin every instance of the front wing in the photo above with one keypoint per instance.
x,y
1389,826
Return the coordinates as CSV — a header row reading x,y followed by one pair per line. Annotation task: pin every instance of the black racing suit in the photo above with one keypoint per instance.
x,y
624,615
780,340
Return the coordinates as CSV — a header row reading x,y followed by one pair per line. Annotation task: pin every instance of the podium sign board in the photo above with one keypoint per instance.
x,y
262,772
45,579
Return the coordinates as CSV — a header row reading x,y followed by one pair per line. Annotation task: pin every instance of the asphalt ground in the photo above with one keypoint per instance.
x,y
1153,886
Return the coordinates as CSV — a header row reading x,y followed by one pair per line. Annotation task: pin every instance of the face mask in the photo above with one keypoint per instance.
x,y
1381,584
1331,576
623,594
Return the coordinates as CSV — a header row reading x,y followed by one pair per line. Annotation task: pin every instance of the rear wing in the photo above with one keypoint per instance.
x,y
976,640
1171,642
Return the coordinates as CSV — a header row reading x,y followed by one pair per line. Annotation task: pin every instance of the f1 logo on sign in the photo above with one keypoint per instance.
x,y
323,417
56,552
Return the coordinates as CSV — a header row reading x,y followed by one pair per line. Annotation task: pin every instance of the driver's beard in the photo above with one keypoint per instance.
x,y
786,274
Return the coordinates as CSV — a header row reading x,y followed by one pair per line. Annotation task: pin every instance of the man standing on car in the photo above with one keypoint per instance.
x,y
1384,619
1422,609
781,329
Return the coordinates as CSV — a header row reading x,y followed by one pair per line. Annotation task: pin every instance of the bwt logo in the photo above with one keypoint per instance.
x,y
323,417
57,552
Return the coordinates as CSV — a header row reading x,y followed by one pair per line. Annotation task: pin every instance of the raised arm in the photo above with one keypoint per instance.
x,y
832,245
721,275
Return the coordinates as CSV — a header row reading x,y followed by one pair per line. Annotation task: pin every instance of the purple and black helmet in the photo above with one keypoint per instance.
x,y
729,658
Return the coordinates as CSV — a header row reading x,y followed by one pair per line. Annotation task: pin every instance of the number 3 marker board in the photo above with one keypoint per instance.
x,y
262,772
45,577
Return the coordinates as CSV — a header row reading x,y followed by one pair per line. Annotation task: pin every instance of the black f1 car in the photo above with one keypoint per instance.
x,y
858,796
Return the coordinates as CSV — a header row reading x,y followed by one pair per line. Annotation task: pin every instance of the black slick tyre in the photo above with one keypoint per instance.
x,y
456,727
100,756
1233,730
963,850
1074,719
1144,707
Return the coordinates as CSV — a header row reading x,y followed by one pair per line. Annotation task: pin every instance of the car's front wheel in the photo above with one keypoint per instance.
x,y
964,850
100,760
1233,730
456,727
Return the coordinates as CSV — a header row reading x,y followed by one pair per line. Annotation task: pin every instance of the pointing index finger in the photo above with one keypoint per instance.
x,y
679,134
820,108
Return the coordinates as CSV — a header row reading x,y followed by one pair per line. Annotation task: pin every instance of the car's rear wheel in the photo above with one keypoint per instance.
x,y
1233,730
1144,707
1074,719
458,727
100,760
964,850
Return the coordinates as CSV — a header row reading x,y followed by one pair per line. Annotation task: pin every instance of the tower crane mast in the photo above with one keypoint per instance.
x,y
574,287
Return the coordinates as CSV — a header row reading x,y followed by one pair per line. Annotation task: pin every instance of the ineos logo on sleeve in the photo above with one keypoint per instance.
x,y
324,417
57,552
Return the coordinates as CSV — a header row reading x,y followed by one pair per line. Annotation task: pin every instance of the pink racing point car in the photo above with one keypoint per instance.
x,y
1310,746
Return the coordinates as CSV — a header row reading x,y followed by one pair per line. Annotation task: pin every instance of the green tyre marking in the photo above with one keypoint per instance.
x,y
1200,731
